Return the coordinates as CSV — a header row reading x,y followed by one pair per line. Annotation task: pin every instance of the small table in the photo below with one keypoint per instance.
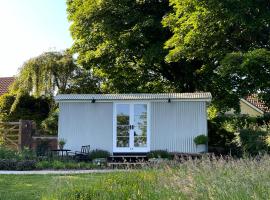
x,y
61,152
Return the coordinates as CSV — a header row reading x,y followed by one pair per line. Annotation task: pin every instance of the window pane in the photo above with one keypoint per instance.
x,y
140,141
122,114
122,141
123,131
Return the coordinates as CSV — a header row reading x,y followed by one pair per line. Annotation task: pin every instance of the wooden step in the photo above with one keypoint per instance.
x,y
112,164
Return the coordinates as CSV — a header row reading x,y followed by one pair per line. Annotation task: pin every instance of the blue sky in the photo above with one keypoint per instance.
x,y
28,28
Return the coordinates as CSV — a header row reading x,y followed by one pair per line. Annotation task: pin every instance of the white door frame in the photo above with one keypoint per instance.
x,y
131,148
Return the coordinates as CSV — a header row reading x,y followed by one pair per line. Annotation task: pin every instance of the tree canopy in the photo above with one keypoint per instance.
x,y
46,74
182,46
218,33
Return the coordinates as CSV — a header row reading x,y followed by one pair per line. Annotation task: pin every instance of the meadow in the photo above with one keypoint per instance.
x,y
201,179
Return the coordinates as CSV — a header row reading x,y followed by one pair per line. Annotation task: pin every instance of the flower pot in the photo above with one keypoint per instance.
x,y
201,148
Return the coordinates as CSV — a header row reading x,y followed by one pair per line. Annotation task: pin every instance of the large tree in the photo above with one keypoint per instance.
x,y
46,74
122,41
215,32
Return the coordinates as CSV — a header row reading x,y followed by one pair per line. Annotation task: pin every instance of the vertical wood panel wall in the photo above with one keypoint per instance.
x,y
174,125
86,123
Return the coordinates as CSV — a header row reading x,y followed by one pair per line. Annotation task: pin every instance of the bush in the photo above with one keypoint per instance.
x,y
201,139
42,147
159,154
24,107
27,154
253,141
17,165
6,153
50,124
56,164
98,153
44,165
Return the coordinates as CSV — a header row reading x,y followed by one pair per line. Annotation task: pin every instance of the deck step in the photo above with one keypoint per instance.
x,y
125,164
127,158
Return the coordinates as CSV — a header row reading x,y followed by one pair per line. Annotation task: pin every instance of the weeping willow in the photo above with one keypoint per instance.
x,y
47,74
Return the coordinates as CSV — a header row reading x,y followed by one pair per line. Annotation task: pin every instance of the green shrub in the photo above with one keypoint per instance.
x,y
50,124
56,164
201,139
42,147
6,153
44,165
253,141
27,154
17,165
24,107
159,154
98,153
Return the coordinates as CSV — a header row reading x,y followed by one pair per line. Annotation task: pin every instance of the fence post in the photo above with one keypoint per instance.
x,y
25,134
20,136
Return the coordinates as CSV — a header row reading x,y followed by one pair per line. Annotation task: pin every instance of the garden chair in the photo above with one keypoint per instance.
x,y
82,155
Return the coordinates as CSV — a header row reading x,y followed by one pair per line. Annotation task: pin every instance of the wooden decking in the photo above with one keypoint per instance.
x,y
127,160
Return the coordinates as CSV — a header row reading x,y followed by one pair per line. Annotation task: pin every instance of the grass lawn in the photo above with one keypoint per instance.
x,y
205,179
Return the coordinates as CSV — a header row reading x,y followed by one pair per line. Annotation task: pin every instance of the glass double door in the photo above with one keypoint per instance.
x,y
131,132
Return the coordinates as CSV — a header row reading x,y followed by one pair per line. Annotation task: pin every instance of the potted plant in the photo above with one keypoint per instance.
x,y
201,142
61,143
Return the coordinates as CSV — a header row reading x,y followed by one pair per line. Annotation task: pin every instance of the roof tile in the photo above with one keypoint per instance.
x,y
5,83
254,100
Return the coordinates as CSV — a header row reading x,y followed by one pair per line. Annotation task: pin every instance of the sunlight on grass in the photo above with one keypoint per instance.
x,y
202,179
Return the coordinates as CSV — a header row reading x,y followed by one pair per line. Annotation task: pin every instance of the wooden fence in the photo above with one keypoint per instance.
x,y
17,135
10,134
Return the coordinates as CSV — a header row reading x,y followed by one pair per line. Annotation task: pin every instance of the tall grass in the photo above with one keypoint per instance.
x,y
209,178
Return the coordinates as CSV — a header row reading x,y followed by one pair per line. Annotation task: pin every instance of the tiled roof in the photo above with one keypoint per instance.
x,y
5,82
254,100
146,96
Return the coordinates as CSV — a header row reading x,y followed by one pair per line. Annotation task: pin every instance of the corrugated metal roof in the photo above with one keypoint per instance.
x,y
110,97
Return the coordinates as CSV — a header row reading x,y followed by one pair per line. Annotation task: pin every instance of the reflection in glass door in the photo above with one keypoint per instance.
x,y
123,125
140,125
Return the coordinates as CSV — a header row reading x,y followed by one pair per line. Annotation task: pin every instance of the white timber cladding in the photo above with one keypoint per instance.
x,y
174,125
86,124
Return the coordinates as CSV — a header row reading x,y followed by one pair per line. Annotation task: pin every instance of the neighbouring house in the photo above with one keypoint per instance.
x,y
252,106
5,83
133,123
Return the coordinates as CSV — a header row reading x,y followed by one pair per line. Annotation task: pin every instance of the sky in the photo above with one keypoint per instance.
x,y
29,28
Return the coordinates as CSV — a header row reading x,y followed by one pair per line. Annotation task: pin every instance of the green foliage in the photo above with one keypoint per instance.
x,y
6,153
224,137
159,154
232,35
42,147
84,82
207,178
58,164
122,43
28,108
201,139
98,153
242,74
17,164
61,143
253,141
45,73
50,124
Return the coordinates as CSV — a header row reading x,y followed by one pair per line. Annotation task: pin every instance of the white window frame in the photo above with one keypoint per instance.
x,y
131,148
